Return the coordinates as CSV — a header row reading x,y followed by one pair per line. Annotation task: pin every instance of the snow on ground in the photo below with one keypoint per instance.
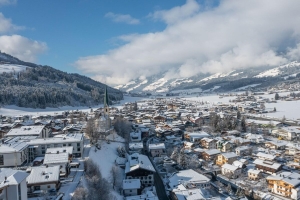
x,y
12,67
153,86
212,89
289,109
106,156
247,86
188,90
13,110
271,72
138,85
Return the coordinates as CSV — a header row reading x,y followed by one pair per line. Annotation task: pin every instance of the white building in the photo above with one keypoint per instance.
x,y
231,171
131,187
136,136
157,149
43,178
38,147
13,184
14,151
140,167
58,159
187,178
39,131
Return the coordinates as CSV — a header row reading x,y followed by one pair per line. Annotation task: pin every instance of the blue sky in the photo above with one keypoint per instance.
x,y
77,28
119,41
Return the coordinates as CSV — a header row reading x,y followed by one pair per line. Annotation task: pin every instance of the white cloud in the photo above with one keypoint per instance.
x,y
7,2
122,18
7,26
22,47
236,34
177,13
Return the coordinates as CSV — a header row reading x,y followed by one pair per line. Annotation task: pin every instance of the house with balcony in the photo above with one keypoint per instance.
x,y
226,158
286,184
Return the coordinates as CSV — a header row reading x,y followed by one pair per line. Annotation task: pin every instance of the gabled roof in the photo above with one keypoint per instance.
x,y
138,161
43,175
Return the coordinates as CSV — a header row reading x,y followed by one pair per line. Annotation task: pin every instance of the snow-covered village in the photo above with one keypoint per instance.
x,y
185,147
149,100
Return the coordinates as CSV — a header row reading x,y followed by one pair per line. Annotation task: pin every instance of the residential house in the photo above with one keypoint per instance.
x,y
157,149
224,158
208,143
254,174
139,166
43,178
286,184
266,166
40,131
210,155
230,171
243,150
131,187
13,184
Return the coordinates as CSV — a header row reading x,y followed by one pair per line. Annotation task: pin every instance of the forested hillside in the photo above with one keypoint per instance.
x,y
43,86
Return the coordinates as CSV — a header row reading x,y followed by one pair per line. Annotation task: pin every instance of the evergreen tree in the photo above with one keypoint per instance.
x,y
243,124
238,115
276,96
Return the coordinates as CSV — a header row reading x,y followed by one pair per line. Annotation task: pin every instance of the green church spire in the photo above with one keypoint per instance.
x,y
106,101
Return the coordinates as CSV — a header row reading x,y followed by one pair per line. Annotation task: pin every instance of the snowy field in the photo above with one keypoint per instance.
x,y
106,156
289,109
15,110
11,67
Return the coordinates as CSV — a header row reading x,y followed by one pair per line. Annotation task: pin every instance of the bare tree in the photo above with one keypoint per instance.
x,y
80,194
115,174
91,131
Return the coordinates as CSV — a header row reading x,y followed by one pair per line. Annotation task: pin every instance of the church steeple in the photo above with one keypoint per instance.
x,y
106,101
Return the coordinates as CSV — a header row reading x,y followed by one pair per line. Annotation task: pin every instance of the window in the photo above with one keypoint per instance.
x,y
146,181
64,145
37,187
150,177
48,186
48,146
78,144
130,190
78,149
43,151
69,144
19,192
1,160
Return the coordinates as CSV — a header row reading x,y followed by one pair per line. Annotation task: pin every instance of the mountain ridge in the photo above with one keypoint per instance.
x,y
36,86
218,82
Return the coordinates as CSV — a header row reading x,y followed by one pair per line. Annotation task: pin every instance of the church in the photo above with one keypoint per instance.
x,y
103,123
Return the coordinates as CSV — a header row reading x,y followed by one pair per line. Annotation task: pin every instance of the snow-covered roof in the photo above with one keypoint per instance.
x,y
288,177
26,130
51,158
13,177
229,155
138,161
135,145
254,171
68,150
43,174
265,163
55,140
212,151
131,184
229,167
265,156
187,176
157,146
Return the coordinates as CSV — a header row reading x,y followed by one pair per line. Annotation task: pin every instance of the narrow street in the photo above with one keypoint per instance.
x,y
69,187
159,185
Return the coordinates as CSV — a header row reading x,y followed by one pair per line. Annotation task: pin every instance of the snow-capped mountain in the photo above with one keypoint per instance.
x,y
237,79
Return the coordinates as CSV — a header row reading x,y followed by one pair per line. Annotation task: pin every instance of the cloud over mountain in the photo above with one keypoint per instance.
x,y
233,35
